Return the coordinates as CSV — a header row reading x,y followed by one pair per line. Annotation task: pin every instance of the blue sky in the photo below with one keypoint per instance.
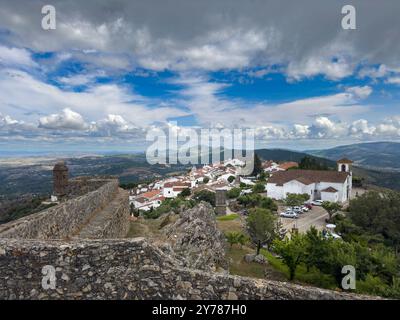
x,y
109,74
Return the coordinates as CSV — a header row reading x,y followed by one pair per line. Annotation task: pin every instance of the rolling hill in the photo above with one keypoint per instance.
x,y
372,155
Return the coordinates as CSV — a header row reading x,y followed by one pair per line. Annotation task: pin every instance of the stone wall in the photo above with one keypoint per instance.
x,y
80,186
63,220
127,269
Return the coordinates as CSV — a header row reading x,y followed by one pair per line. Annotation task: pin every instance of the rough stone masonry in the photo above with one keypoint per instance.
x,y
112,267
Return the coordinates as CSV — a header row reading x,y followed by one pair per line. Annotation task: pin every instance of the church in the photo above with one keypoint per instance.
x,y
333,186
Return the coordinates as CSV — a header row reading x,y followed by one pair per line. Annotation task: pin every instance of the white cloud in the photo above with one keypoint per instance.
x,y
374,72
334,69
361,128
80,79
66,120
114,126
393,80
206,101
360,92
29,95
15,57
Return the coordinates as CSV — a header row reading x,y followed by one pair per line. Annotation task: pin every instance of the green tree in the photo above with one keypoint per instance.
x,y
340,254
231,179
309,163
259,187
293,199
233,193
378,213
291,252
242,185
263,176
316,248
242,239
206,180
185,193
262,227
268,203
205,195
331,208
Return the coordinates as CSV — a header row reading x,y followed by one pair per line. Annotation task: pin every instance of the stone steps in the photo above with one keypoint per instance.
x,y
96,223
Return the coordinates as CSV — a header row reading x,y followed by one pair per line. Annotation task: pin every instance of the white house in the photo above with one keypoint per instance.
x,y
334,186
173,189
148,200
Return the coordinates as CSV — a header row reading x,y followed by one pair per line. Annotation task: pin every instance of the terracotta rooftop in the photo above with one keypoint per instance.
x,y
307,176
150,194
287,165
344,160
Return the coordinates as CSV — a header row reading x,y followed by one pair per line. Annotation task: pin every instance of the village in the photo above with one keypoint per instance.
x,y
279,182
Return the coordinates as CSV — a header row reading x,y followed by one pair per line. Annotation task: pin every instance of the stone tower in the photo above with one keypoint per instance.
x,y
60,179
220,201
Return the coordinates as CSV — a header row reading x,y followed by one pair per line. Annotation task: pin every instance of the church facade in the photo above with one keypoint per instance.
x,y
333,186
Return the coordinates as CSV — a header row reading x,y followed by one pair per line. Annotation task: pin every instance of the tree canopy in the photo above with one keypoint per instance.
x,y
293,199
262,227
378,213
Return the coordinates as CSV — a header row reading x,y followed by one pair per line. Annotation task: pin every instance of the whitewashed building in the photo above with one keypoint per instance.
x,y
334,186
173,189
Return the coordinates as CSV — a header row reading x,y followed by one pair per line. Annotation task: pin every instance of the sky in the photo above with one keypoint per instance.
x,y
113,70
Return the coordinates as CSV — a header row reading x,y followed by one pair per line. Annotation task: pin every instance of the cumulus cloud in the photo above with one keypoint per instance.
x,y
66,120
115,126
334,69
28,94
360,92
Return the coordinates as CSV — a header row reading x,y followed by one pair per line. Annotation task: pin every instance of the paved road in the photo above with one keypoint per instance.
x,y
315,217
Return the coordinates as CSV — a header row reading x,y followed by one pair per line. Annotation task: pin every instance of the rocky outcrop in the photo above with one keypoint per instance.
x,y
195,239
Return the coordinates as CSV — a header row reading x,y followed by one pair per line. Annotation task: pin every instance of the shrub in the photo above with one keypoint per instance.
x,y
233,193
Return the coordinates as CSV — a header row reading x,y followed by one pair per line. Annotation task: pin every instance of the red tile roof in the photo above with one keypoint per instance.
x,y
150,194
308,176
288,165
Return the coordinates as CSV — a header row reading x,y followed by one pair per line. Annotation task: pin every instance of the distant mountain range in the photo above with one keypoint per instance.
x,y
373,155
288,155
378,163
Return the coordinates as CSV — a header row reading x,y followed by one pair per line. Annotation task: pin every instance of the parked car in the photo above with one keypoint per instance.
x,y
289,214
308,205
298,211
317,202
305,208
